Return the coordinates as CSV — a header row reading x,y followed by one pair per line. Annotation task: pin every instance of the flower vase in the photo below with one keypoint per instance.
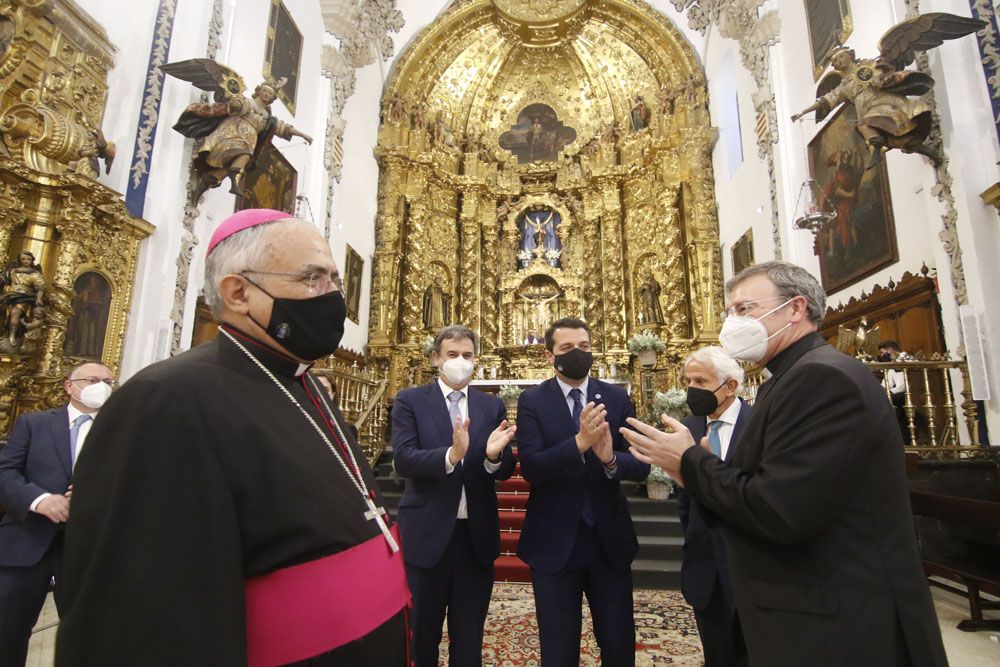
x,y
657,490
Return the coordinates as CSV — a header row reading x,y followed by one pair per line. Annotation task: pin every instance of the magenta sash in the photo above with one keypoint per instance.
x,y
306,610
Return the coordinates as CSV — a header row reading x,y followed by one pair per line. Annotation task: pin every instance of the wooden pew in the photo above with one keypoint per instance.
x,y
975,525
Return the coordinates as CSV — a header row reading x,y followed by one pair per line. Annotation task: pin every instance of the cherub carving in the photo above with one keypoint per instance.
x,y
879,88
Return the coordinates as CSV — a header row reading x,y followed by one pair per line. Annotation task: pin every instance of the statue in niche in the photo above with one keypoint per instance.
x,y
87,326
639,114
235,128
539,237
32,339
879,88
417,116
649,299
394,109
536,312
441,133
666,97
437,306
23,290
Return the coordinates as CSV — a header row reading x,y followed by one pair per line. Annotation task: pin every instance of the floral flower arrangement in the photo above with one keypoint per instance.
x,y
673,403
509,392
645,340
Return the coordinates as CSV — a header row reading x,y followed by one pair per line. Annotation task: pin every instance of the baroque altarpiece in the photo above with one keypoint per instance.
x,y
69,246
542,160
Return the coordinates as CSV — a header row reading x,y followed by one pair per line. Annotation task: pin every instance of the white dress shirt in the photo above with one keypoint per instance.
x,y
728,419
81,436
463,406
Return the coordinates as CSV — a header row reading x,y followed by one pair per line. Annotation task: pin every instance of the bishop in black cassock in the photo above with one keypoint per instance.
x,y
208,494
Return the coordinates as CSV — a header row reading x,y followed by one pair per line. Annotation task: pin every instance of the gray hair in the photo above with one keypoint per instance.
x,y
76,368
726,368
456,332
791,281
241,251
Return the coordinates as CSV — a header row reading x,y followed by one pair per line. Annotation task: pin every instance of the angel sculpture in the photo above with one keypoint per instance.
x,y
879,88
862,342
235,128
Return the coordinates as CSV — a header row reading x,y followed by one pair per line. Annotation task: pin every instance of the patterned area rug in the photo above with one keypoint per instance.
x,y
666,633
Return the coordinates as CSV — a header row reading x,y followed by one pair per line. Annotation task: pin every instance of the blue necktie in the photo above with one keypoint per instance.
x,y
74,434
587,511
577,397
714,443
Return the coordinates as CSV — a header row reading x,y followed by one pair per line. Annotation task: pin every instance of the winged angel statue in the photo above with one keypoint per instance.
x,y
861,342
879,88
235,128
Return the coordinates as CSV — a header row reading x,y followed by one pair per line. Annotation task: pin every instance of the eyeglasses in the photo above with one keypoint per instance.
x,y
744,308
313,280
94,380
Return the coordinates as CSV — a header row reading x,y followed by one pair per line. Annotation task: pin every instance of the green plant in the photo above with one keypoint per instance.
x,y
509,392
645,340
656,475
673,403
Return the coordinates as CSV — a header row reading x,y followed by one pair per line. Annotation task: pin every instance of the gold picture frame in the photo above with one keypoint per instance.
x,y
829,23
353,274
283,52
743,252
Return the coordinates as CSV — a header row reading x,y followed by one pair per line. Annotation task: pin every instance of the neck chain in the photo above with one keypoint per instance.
x,y
354,475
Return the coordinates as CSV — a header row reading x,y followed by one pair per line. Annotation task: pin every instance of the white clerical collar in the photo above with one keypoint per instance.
x,y
445,389
567,388
302,369
731,414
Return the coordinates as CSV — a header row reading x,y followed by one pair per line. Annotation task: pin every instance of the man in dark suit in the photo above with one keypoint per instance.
x,y
718,416
822,551
578,536
36,468
449,442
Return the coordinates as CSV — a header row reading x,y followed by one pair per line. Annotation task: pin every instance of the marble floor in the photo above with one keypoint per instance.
x,y
965,649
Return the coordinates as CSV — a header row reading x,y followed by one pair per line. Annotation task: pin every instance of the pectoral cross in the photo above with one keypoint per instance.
x,y
375,514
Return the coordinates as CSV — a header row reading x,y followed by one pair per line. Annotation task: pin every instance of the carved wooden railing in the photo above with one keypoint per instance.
x,y
362,400
935,423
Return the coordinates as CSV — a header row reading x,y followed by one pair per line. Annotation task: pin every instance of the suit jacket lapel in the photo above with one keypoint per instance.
x,y
477,415
561,407
741,420
59,424
438,407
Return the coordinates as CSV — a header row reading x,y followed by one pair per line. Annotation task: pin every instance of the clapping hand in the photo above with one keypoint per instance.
x,y
653,446
592,426
499,439
459,441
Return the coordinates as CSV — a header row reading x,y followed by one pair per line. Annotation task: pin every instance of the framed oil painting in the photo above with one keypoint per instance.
x,y
538,135
830,24
88,325
283,52
206,328
861,239
743,252
353,273
271,184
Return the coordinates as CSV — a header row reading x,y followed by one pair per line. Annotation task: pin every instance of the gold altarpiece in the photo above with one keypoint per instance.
x,y
54,62
541,160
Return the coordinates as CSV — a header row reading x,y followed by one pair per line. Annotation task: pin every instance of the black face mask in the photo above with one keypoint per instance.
x,y
885,357
574,364
703,402
308,328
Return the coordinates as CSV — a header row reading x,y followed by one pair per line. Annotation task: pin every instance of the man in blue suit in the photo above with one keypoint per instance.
x,y
718,415
36,468
449,442
578,536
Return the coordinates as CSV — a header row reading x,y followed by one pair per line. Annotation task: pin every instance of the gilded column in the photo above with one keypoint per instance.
x,y
613,293
676,307
386,264
593,289
490,330
413,268
470,261
702,225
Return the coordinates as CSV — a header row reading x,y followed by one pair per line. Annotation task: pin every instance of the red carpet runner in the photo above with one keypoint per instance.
x,y
512,498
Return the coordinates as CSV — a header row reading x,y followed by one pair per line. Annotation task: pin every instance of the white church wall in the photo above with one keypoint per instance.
x,y
242,47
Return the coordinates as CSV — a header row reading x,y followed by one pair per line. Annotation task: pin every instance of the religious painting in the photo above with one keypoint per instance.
x,y
283,53
861,239
87,326
830,24
743,252
539,237
271,184
206,328
538,135
353,272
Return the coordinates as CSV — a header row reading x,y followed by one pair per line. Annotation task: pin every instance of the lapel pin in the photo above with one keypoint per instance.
x,y
597,396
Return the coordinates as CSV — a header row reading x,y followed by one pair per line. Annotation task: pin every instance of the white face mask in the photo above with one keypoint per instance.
x,y
94,395
745,338
457,370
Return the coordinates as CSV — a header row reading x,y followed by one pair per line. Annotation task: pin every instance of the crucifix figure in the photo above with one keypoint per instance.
x,y
375,514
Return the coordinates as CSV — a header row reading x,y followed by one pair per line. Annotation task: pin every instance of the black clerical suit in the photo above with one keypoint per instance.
x,y
705,569
204,475
822,550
